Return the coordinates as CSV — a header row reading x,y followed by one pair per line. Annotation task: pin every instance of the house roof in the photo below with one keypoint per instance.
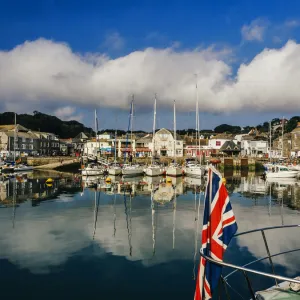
x,y
12,127
81,135
166,131
223,136
230,146
28,135
144,139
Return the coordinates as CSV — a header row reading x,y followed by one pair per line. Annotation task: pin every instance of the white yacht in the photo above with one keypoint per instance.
x,y
174,169
154,170
22,168
133,170
194,170
115,170
281,172
92,170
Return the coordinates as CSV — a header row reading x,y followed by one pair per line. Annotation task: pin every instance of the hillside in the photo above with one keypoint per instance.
x,y
46,123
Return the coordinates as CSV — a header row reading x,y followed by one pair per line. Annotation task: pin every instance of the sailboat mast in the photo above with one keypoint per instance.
x,y
197,120
270,127
115,146
131,124
96,130
175,131
282,136
15,137
153,133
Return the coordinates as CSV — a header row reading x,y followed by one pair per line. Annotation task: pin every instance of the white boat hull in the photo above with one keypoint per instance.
x,y
194,172
114,171
174,171
23,169
132,171
150,171
92,172
288,174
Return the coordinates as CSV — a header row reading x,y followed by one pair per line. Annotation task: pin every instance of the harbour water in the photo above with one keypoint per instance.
x,y
135,239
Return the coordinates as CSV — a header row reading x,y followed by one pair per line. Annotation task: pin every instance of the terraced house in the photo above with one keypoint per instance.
x,y
295,136
17,138
26,142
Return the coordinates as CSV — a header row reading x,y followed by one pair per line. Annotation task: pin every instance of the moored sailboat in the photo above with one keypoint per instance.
x,y
174,169
132,169
154,170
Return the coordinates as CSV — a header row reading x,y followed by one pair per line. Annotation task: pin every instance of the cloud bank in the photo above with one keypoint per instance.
x,y
45,71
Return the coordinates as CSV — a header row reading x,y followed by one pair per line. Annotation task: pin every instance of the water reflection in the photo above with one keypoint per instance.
x,y
154,221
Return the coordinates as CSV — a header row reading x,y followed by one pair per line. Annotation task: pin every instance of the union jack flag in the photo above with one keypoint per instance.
x,y
219,226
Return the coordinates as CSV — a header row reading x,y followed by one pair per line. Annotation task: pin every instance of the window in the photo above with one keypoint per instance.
x,y
23,146
23,140
177,143
41,144
218,143
31,147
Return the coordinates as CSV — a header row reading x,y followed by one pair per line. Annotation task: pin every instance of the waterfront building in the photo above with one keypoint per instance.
x,y
295,141
19,139
164,143
255,146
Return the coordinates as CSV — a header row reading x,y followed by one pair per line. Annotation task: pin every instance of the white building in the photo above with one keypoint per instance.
x,y
104,136
251,147
93,147
164,144
216,142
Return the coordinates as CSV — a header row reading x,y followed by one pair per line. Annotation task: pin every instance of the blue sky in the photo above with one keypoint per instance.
x,y
241,29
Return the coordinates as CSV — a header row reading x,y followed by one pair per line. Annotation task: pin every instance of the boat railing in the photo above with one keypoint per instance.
x,y
245,268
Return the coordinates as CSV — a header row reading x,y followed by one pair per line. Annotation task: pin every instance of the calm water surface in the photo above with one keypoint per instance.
x,y
64,241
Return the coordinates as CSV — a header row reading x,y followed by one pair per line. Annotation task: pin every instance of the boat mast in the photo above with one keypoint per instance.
x,y
270,127
175,131
174,217
15,131
96,129
197,120
282,125
131,124
154,125
115,146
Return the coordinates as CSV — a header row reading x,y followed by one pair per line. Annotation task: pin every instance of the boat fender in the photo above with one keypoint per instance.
x,y
49,180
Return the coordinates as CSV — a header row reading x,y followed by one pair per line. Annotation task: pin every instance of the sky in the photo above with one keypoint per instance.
x,y
68,58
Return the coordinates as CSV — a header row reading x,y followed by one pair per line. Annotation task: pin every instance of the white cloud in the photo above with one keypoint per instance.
x,y
292,23
67,113
255,30
45,72
114,41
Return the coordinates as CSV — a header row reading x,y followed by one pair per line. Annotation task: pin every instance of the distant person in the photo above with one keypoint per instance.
x,y
130,158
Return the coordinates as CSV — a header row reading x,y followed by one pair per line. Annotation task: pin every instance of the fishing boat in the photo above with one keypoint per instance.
x,y
154,169
281,172
92,170
174,169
